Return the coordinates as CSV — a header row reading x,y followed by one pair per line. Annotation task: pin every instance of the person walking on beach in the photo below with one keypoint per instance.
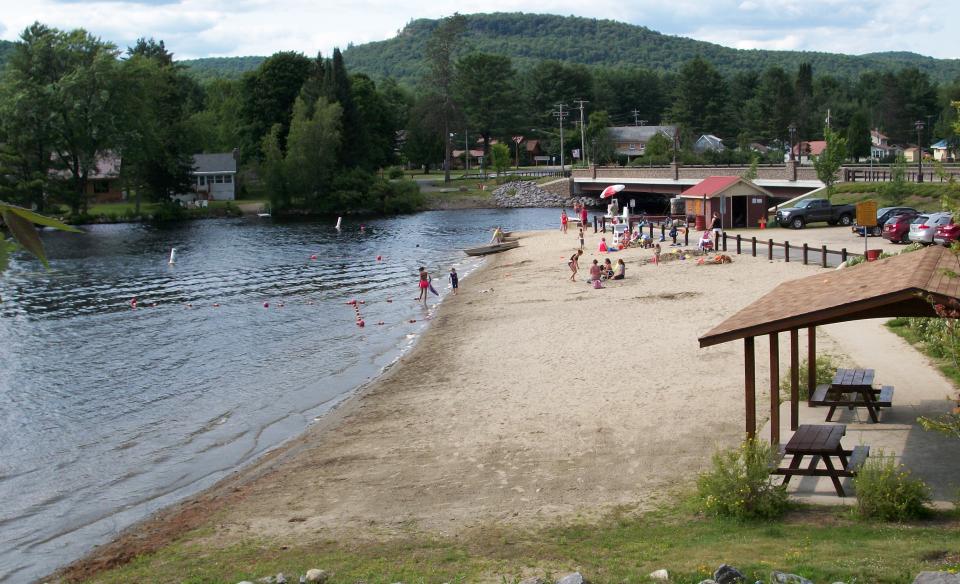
x,y
583,216
563,221
424,284
574,264
454,282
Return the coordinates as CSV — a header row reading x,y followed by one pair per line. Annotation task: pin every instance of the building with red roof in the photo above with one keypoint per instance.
x,y
738,201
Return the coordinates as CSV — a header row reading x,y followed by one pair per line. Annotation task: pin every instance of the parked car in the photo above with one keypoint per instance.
x,y
814,210
923,227
884,214
946,234
896,228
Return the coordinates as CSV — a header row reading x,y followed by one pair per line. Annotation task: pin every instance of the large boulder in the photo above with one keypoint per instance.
x,y
728,575
936,578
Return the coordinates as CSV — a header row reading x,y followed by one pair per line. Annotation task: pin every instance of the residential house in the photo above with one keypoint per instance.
x,y
759,148
103,181
739,202
944,151
476,157
912,153
535,153
632,140
804,152
881,148
708,142
214,176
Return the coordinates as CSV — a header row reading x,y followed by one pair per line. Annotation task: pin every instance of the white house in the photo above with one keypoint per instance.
x,y
708,142
215,176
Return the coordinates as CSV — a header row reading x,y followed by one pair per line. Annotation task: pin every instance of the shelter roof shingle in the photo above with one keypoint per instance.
x,y
891,287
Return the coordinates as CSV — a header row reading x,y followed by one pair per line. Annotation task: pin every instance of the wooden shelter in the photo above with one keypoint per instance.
x,y
739,202
910,284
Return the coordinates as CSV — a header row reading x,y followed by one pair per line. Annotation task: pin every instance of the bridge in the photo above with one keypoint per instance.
x,y
784,181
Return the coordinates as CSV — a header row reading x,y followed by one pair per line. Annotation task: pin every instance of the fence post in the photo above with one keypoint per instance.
x,y
805,254
843,255
823,256
786,251
738,244
594,223
753,245
650,224
769,249
724,241
663,231
686,235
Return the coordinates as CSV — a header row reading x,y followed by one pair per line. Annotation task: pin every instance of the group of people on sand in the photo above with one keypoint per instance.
x,y
598,271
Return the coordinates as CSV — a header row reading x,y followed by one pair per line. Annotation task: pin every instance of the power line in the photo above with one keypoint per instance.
x,y
583,141
560,115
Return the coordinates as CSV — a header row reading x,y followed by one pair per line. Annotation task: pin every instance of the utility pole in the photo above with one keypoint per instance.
x,y
583,141
560,115
636,117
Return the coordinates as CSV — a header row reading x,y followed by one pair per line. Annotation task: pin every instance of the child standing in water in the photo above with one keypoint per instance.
x,y
424,284
453,280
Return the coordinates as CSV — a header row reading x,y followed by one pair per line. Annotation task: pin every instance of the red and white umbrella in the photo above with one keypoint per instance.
x,y
611,190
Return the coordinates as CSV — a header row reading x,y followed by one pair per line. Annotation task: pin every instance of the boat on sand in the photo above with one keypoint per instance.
x,y
491,248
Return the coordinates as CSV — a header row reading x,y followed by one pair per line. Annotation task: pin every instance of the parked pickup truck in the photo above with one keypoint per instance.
x,y
814,210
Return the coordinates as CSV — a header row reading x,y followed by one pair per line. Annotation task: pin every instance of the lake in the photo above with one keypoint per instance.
x,y
109,413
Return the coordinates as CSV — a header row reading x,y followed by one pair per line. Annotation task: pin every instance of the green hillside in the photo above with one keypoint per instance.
x,y
528,38
221,67
6,47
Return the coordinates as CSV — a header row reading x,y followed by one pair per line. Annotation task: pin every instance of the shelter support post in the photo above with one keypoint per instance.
x,y
794,379
811,362
774,388
750,386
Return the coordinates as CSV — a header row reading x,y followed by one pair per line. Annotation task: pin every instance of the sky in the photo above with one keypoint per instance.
x,y
210,28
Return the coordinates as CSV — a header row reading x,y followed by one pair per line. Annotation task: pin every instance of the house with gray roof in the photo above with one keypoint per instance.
x,y
215,176
632,140
708,142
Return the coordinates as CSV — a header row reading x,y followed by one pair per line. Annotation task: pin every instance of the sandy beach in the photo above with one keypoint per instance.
x,y
529,398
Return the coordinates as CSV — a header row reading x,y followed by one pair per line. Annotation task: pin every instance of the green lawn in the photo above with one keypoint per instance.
x,y
822,544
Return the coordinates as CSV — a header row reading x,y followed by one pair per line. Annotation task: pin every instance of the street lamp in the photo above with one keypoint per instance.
x,y
919,126
793,136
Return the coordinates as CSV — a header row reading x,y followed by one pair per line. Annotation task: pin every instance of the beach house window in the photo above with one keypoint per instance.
x,y
101,186
633,146
201,180
219,178
228,178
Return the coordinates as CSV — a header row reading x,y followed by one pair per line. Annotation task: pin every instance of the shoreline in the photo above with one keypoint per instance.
x,y
163,526
529,400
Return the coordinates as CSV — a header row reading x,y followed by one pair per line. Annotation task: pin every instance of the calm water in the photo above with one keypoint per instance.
x,y
108,414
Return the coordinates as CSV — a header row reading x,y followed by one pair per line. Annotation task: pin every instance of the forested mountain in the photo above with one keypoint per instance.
x,y
528,38
6,47
210,68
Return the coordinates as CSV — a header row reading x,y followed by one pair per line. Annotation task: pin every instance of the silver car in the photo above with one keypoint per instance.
x,y
924,227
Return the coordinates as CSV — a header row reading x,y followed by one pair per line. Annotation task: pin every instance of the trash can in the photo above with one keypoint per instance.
x,y
873,254
701,223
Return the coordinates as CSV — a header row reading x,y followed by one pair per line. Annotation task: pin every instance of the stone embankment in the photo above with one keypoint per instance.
x,y
531,194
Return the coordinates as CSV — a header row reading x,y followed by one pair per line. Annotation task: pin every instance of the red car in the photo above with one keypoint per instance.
x,y
947,234
896,229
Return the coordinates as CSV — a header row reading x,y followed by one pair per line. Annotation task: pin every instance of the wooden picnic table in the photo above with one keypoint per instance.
x,y
821,442
853,388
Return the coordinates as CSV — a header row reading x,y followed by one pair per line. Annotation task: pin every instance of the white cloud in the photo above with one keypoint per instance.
x,y
196,28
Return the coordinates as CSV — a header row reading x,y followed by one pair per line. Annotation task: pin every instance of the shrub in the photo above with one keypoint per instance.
x,y
395,172
739,484
887,491
826,368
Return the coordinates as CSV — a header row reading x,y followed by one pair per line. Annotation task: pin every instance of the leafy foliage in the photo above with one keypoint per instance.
x,y
739,485
887,491
829,161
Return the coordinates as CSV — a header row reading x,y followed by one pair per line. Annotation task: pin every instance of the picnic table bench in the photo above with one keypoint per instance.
x,y
853,388
821,443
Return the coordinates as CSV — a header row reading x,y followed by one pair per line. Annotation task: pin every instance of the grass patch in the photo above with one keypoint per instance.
x,y
926,196
941,359
823,544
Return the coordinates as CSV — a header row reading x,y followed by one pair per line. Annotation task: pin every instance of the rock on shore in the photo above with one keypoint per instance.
x,y
530,194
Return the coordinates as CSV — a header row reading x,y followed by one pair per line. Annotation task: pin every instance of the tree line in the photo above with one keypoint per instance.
x,y
313,136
